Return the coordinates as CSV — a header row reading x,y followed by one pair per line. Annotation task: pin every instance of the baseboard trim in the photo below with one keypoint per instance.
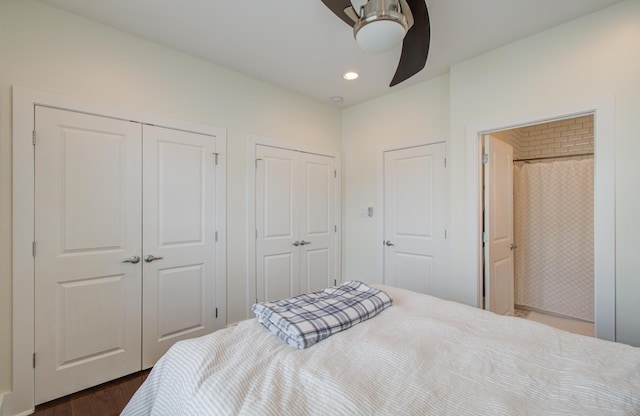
x,y
557,315
5,404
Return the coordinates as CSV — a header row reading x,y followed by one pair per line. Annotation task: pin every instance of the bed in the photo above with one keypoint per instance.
x,y
423,355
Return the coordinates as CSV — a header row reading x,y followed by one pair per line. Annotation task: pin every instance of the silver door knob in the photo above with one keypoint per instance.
x,y
513,246
302,243
297,243
150,257
389,243
132,259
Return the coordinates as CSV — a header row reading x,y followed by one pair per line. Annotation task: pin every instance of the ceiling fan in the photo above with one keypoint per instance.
x,y
379,25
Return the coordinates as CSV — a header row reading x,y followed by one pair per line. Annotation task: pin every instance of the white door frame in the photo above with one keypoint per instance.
x,y
252,142
389,148
603,110
21,399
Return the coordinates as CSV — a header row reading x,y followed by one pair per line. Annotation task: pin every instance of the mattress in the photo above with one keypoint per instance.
x,y
423,355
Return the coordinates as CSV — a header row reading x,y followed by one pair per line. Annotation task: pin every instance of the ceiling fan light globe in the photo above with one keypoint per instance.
x,y
379,35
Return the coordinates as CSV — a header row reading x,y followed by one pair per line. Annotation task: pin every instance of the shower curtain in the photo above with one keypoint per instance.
x,y
553,227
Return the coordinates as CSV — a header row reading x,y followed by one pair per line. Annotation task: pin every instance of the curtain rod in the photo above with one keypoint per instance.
x,y
552,157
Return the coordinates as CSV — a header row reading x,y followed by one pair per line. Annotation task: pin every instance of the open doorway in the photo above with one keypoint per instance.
x,y
552,223
603,110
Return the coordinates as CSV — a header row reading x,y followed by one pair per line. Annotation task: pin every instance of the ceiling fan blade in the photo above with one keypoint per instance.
x,y
415,46
338,8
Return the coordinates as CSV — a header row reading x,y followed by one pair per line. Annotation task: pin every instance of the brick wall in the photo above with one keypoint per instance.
x,y
558,138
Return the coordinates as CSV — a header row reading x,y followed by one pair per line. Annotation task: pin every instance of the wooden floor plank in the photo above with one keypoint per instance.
x,y
104,400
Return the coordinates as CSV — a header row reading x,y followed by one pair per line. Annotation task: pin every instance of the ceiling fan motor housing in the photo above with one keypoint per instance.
x,y
389,29
396,21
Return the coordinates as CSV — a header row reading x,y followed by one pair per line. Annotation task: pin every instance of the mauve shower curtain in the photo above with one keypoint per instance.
x,y
553,223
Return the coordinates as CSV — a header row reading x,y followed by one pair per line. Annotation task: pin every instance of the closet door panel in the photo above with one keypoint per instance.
x,y
279,271
295,222
318,272
87,222
180,287
317,222
277,224
179,238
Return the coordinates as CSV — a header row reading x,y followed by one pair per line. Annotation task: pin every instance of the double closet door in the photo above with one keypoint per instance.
x,y
295,222
124,246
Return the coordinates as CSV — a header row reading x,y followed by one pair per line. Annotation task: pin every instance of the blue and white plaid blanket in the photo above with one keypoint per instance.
x,y
303,320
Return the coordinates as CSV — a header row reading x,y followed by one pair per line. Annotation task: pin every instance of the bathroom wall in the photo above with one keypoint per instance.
x,y
556,138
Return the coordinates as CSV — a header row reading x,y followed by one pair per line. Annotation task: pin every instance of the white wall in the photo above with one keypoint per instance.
x,y
50,50
5,223
595,56
598,55
43,48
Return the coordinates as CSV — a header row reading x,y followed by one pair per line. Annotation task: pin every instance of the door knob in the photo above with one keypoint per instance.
x,y
302,243
389,243
513,246
150,257
297,243
132,259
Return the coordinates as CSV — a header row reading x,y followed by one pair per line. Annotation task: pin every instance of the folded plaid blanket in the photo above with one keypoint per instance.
x,y
303,320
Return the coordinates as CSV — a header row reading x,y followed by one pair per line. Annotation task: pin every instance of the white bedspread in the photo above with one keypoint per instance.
x,y
421,356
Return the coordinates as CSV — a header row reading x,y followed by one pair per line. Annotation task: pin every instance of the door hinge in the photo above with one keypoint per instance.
x,y
257,163
445,162
33,248
216,156
256,234
485,158
216,236
216,313
335,173
335,282
33,137
445,234
34,360
485,237
335,228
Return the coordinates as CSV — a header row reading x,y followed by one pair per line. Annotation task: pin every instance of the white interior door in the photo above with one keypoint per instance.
x,y
179,238
277,223
318,225
498,223
415,218
87,220
295,222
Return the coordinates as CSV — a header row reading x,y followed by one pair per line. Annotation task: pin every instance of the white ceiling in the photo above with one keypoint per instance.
x,y
300,45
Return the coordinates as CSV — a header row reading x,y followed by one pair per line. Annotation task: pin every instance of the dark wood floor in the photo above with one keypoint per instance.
x,y
107,399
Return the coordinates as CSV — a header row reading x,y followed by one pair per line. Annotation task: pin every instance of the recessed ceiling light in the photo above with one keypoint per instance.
x,y
350,76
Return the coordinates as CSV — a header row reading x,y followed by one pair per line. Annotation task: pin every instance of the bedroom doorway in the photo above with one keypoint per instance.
x,y
551,210
604,213
414,218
